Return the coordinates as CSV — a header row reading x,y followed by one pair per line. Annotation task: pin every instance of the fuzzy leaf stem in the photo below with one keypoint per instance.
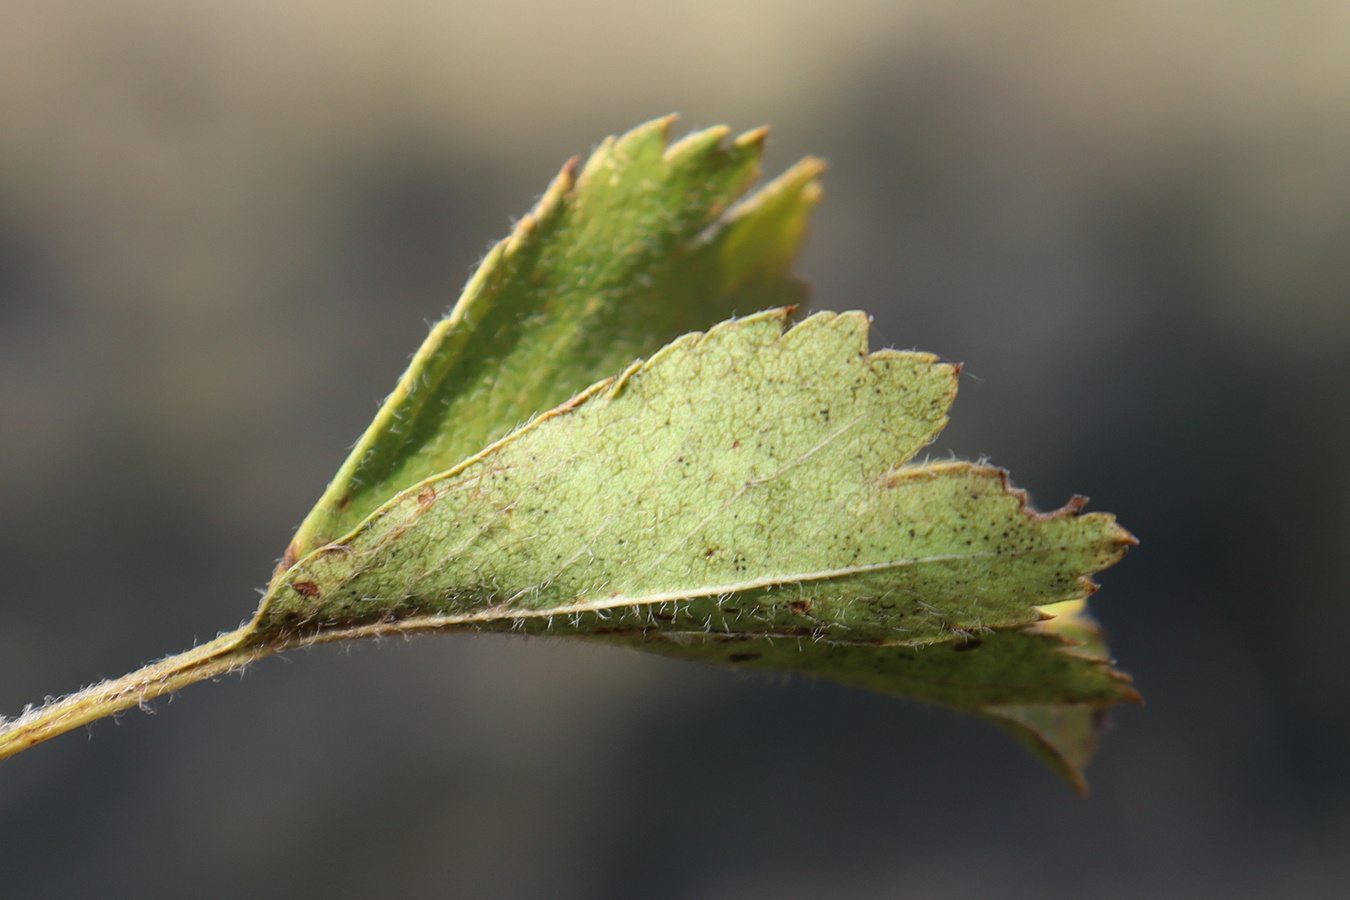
x,y
225,654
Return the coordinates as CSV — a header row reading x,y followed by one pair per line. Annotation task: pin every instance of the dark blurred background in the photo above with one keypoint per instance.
x,y
225,226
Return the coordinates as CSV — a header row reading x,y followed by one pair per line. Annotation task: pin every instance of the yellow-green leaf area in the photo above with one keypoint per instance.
x,y
747,481
643,243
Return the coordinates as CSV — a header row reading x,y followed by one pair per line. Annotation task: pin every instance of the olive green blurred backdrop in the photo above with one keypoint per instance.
x,y
225,225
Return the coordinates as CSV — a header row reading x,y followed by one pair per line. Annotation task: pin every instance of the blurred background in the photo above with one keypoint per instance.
x,y
225,226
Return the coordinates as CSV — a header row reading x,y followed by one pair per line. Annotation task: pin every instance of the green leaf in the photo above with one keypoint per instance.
x,y
639,246
744,497
748,467
747,496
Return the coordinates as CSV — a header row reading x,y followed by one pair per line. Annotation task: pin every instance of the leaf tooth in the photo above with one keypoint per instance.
x,y
696,144
806,329
703,152
799,183
763,232
684,342
648,139
764,321
753,138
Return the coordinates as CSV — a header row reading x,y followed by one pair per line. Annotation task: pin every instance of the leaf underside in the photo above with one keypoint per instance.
x,y
745,496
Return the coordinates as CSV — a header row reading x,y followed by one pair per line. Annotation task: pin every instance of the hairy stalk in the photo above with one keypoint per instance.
x,y
225,654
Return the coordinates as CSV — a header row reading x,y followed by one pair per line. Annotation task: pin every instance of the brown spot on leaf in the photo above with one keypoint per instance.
x,y
288,559
306,589
426,496
800,607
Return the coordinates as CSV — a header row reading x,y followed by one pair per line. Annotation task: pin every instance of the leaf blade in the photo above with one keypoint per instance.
x,y
749,462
